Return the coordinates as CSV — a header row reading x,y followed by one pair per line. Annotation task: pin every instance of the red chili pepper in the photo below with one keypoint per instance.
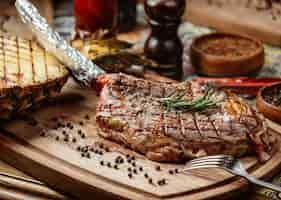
x,y
240,85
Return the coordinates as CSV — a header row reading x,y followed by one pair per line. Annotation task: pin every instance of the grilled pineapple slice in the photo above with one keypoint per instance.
x,y
28,75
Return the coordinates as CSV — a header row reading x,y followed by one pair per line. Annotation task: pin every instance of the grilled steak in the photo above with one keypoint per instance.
x,y
130,113
28,75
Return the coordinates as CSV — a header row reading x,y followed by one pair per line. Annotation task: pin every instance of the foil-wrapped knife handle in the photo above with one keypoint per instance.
x,y
83,70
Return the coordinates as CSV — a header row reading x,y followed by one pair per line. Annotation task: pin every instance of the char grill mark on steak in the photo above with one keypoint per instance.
x,y
148,127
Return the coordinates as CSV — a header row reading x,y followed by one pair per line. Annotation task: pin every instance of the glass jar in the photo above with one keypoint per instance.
x,y
95,15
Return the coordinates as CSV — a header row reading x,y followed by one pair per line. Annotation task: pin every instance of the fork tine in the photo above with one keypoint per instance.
x,y
205,161
218,163
211,157
198,167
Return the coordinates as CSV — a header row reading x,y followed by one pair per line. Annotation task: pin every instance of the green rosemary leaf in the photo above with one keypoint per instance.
x,y
177,101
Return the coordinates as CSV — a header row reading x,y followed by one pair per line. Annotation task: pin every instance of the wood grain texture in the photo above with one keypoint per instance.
x,y
234,16
61,166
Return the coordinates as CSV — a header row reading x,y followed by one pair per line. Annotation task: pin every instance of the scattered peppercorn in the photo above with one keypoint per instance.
x,y
101,145
66,139
106,149
150,180
64,132
87,117
81,123
146,175
109,164
129,169
141,169
79,148
79,132
83,155
88,155
115,166
43,134
134,164
83,135
171,172
57,138
158,168
74,140
101,163
176,171
162,182
130,175
127,156
133,158
135,171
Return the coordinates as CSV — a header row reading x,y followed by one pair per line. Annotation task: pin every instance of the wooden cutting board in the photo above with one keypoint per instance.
x,y
247,17
33,145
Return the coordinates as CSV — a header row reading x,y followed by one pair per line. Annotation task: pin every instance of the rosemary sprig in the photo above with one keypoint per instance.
x,y
177,102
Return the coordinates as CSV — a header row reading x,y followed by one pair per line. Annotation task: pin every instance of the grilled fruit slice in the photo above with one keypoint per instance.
x,y
28,75
130,113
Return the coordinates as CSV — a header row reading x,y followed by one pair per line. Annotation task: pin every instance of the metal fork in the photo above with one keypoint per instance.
x,y
231,165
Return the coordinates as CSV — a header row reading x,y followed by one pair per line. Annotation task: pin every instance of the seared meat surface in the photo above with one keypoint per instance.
x,y
130,113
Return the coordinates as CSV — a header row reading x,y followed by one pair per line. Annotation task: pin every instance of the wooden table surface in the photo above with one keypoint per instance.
x,y
18,190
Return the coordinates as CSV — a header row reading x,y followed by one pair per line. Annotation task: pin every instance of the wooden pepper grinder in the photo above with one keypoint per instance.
x,y
164,44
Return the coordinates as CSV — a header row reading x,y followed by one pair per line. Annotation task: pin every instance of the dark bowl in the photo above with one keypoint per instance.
x,y
269,110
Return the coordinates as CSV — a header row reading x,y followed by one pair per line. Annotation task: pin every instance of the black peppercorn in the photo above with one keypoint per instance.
x,y
129,169
66,139
135,171
106,149
176,171
83,135
87,117
83,155
64,132
101,145
74,140
88,155
146,175
133,164
150,180
57,138
81,123
158,168
115,166
140,168
79,148
109,164
79,132
171,172
159,182
130,175
101,163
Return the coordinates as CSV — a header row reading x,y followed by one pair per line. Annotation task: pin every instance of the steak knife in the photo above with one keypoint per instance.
x,y
82,69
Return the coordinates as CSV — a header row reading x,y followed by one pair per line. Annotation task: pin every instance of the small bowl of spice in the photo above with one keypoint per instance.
x,y
269,102
223,54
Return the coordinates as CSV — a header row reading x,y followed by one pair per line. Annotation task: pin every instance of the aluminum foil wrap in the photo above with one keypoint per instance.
x,y
83,70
